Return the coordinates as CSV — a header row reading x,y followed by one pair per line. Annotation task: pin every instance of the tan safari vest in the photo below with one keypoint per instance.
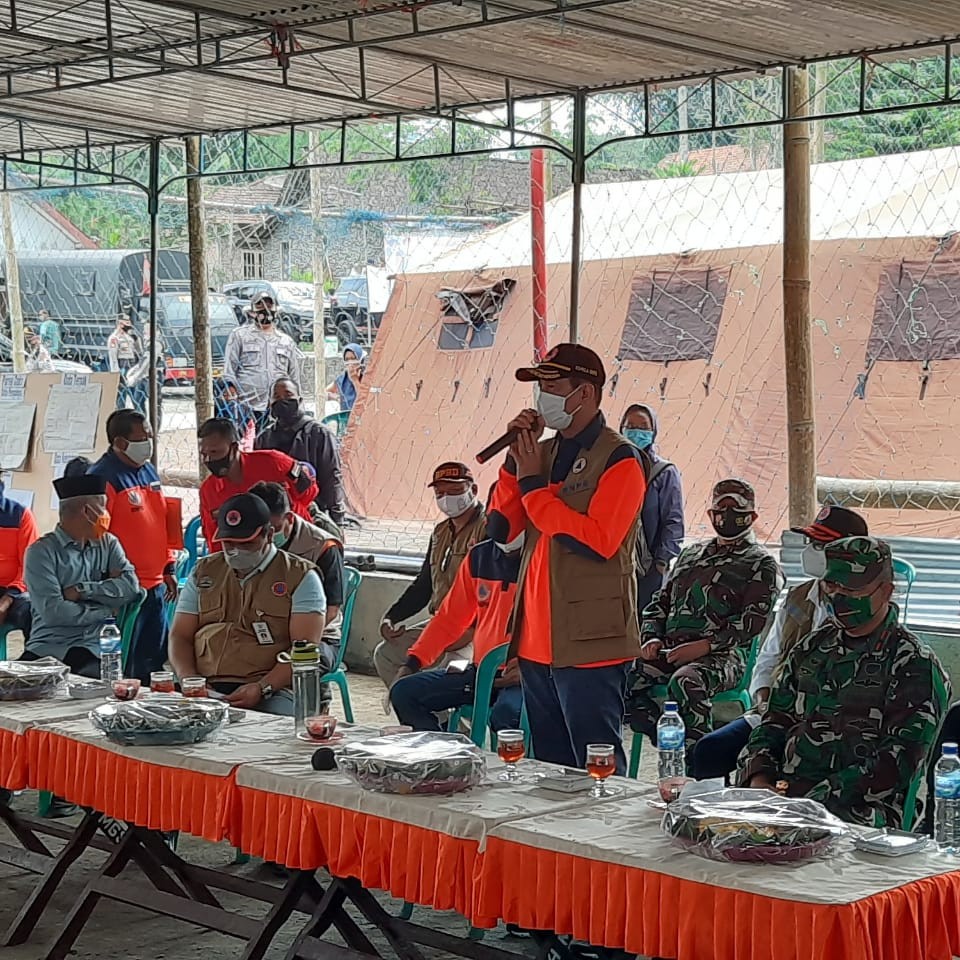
x,y
593,603
447,552
225,645
797,619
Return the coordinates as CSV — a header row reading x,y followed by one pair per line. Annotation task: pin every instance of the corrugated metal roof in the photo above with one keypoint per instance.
x,y
170,68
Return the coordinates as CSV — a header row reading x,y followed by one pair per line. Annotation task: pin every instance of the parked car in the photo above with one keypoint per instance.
x,y
176,329
356,319
294,302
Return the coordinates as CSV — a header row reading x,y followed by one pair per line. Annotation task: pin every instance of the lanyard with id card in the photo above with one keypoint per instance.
x,y
262,632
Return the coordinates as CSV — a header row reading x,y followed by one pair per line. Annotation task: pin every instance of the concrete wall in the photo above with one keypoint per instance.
x,y
378,592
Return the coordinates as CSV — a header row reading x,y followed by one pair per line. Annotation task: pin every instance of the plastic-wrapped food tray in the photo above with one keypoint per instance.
x,y
159,722
32,679
753,826
413,763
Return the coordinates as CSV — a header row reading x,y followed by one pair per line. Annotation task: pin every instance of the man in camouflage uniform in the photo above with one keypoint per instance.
x,y
856,707
697,631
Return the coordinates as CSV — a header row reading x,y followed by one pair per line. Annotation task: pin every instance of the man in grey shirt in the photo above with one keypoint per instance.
x,y
78,577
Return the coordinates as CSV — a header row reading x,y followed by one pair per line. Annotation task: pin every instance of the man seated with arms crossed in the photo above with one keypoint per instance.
x,y
803,610
697,631
456,494
243,606
78,577
324,550
483,593
857,705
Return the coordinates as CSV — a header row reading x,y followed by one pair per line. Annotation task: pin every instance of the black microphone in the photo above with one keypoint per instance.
x,y
323,759
501,443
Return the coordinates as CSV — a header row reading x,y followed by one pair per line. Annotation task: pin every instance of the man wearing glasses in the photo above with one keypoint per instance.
x,y
456,494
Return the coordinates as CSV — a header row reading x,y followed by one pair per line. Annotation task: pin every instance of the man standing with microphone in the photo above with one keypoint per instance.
x,y
578,496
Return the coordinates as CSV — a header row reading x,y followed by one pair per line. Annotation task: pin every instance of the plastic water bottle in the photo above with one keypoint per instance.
x,y
671,749
946,829
111,653
305,659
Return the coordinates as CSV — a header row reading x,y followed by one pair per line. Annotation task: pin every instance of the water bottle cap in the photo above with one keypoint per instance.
x,y
949,749
304,651
111,621
670,706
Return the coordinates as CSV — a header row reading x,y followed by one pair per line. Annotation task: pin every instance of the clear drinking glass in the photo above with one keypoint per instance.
x,y
601,764
193,686
511,750
161,681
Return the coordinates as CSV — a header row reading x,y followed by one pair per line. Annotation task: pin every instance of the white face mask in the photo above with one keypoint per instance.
x,y
814,561
139,451
453,506
243,559
514,545
552,408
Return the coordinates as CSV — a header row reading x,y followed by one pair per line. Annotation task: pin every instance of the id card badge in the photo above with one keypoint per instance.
x,y
262,632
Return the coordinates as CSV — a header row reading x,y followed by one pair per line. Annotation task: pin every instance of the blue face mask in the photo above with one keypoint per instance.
x,y
639,438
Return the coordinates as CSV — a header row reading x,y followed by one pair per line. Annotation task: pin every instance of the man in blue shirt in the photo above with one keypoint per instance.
x,y
244,605
77,576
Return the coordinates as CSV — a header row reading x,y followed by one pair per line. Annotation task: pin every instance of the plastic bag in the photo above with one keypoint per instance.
x,y
162,721
32,679
435,763
753,826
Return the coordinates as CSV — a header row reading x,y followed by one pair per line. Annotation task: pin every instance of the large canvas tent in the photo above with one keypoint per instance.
x,y
885,274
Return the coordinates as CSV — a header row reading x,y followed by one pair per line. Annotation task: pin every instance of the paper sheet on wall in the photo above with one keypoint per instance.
x,y
57,465
13,386
16,423
70,421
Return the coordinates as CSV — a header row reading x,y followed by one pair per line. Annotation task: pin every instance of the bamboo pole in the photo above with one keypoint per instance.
x,y
319,334
14,305
199,299
797,337
890,494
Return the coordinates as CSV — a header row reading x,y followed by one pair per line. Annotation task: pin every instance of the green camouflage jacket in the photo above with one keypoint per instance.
x,y
721,592
851,721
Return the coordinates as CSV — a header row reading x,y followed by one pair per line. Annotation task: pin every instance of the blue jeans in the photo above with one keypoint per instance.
x,y
148,645
419,698
569,707
715,755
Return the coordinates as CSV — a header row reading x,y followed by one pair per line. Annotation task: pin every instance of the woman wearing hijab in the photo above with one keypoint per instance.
x,y
344,389
661,516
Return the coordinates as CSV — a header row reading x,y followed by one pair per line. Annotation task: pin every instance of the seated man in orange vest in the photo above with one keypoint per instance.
x,y
18,529
483,593
244,605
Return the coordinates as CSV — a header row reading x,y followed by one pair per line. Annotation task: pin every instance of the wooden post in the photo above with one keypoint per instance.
x,y
13,287
797,338
538,244
199,296
319,275
576,199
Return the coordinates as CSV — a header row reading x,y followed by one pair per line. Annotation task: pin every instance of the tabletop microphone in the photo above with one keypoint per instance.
x,y
323,759
501,443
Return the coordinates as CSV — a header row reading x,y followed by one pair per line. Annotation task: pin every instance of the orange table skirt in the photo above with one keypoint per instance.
x,y
147,794
13,761
655,915
412,863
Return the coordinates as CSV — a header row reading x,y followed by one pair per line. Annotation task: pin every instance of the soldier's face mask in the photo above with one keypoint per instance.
x,y
852,613
814,560
731,523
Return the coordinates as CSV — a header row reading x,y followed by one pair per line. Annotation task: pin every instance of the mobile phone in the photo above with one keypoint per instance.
x,y
890,843
567,780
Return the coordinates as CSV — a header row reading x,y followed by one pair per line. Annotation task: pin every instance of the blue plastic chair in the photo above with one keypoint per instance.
x,y
739,694
5,631
477,714
191,543
337,422
352,579
905,573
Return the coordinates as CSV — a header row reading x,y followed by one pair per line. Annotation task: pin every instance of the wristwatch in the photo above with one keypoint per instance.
x,y
266,690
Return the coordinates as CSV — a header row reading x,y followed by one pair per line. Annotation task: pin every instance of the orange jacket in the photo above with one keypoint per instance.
x,y
598,533
18,529
138,516
482,594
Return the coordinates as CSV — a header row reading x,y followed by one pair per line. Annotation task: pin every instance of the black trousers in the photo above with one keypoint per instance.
x,y
79,659
20,614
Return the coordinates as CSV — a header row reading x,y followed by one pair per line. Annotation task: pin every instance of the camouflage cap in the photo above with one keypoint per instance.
x,y
737,490
857,562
